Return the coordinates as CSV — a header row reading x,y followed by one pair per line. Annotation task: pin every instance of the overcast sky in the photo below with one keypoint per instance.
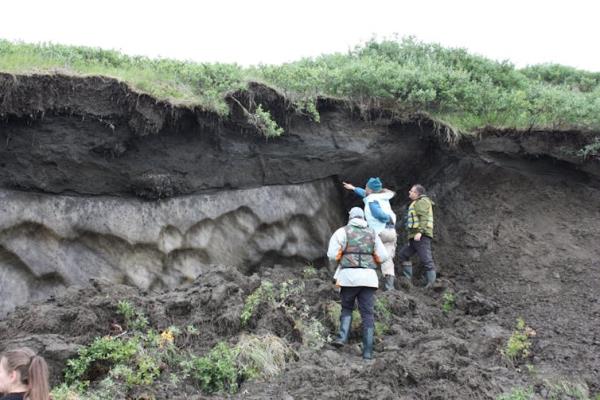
x,y
268,31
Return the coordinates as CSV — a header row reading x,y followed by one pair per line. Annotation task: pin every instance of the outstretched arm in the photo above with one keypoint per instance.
x,y
360,192
348,186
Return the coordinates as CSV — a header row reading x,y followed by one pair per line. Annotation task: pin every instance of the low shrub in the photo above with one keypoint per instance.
x,y
217,371
264,293
449,301
518,345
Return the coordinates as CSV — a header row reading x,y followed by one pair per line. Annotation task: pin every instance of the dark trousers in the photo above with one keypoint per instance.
x,y
423,250
365,296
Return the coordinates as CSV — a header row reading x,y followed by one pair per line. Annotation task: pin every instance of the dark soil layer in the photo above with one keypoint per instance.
x,y
94,136
517,234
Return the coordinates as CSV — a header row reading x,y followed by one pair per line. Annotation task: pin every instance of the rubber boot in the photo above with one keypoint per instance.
x,y
407,271
388,283
345,324
367,340
430,274
406,280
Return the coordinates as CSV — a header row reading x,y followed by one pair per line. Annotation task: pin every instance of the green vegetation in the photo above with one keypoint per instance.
x,y
134,319
263,294
333,311
517,394
464,91
289,296
225,366
309,272
449,301
553,391
591,150
104,350
383,317
314,334
565,389
181,82
262,357
116,365
519,344
263,122
216,371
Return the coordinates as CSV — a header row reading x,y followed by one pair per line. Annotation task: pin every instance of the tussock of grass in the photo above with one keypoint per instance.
x,y
262,357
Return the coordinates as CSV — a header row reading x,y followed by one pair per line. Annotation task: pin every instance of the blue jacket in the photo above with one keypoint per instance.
x,y
378,211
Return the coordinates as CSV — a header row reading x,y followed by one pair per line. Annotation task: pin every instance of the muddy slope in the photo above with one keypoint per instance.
x,y
517,235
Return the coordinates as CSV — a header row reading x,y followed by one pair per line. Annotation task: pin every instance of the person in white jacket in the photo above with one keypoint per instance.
x,y
381,218
358,251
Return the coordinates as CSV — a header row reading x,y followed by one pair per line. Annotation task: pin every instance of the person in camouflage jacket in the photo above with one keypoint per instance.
x,y
358,252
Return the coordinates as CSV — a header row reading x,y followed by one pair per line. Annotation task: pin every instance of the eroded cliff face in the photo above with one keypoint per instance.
x,y
99,181
95,136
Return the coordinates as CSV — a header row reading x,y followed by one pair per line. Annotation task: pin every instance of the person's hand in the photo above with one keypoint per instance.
x,y
336,285
418,236
348,186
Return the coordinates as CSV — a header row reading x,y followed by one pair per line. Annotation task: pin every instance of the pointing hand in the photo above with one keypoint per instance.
x,y
348,186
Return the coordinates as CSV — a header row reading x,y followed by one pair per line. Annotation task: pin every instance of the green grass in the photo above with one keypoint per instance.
x,y
181,82
517,394
465,91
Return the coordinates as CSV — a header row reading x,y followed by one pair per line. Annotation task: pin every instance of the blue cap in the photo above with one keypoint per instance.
x,y
375,184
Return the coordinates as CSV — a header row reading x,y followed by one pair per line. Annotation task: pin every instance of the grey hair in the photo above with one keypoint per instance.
x,y
419,188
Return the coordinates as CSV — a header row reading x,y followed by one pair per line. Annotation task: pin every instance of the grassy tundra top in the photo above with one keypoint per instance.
x,y
464,90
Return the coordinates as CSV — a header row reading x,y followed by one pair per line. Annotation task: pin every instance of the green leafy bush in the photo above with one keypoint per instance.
x,y
449,302
104,352
518,345
217,371
134,319
264,293
262,120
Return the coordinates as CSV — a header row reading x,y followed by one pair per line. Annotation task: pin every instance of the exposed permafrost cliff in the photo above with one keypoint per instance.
x,y
96,180
49,242
81,157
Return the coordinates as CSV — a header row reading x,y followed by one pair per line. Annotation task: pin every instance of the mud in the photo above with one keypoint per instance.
x,y
516,235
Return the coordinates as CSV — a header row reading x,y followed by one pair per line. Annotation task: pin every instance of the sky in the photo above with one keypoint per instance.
x,y
525,32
